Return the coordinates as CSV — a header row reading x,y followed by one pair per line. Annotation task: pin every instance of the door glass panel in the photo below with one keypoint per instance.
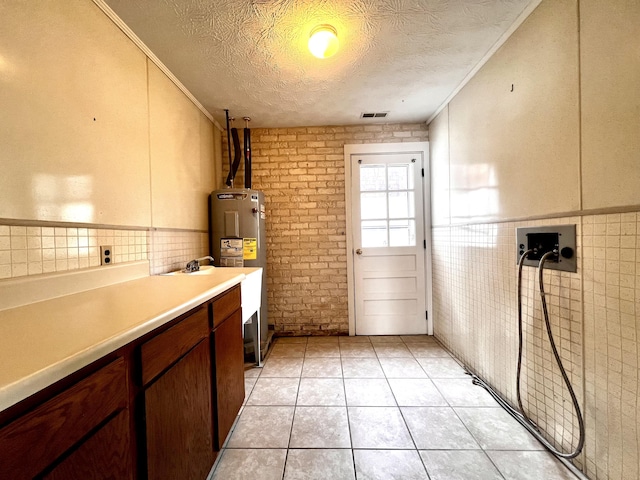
x,y
374,233
402,233
373,177
400,177
401,205
373,205
387,205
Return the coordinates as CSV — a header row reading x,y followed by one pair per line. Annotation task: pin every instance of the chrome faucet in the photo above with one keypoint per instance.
x,y
194,265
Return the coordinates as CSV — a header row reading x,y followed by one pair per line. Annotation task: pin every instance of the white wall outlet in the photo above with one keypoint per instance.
x,y
106,254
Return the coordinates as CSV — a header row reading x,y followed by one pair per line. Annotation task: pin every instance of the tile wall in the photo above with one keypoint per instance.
x,y
611,277
34,250
171,250
594,317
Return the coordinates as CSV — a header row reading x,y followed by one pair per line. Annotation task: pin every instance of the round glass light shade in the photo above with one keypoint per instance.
x,y
323,41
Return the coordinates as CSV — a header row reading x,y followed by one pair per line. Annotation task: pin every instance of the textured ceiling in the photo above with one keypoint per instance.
x,y
250,56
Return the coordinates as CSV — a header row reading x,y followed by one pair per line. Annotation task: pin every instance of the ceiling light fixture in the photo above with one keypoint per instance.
x,y
323,41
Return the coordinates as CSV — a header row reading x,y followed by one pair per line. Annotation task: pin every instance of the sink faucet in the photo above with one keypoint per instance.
x,y
194,265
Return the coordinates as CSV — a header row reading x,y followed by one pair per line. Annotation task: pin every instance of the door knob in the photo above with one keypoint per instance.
x,y
359,251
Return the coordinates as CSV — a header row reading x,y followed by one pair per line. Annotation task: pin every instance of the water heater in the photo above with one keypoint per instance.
x,y
237,239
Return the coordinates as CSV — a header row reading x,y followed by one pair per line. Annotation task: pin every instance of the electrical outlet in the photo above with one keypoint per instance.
x,y
106,254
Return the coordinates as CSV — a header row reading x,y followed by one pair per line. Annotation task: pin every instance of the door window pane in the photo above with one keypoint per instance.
x,y
401,205
402,233
374,233
387,209
373,205
401,177
373,177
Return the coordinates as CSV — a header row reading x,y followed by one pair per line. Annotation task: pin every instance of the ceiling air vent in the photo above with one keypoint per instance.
x,y
374,115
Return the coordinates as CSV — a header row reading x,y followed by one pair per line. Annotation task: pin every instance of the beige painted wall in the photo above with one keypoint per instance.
x,y
580,121
92,131
522,134
439,158
74,123
182,155
610,75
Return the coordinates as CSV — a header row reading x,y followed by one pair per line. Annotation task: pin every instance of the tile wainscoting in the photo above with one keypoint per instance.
x,y
33,250
171,250
594,316
37,249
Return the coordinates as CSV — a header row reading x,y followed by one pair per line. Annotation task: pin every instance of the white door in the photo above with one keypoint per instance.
x,y
388,243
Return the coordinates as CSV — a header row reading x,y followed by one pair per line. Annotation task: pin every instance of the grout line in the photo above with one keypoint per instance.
x,y
286,457
413,357
346,407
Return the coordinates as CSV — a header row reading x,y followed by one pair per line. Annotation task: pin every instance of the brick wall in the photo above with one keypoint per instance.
x,y
301,171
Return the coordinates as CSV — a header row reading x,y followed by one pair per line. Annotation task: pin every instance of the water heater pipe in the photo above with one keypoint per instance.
x,y
226,111
236,157
247,153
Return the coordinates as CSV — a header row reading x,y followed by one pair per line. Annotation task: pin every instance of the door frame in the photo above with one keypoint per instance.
x,y
419,148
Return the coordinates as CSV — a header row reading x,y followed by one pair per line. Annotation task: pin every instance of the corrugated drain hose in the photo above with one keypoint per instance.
x,y
236,159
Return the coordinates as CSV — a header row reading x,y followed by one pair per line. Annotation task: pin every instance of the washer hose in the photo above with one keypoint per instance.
x,y
554,349
519,415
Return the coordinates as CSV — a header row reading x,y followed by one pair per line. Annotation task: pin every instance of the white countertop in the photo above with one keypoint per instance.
x,y
44,342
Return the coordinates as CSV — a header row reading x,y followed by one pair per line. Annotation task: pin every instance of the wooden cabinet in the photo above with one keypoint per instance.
x,y
176,374
225,305
83,432
229,373
158,408
104,455
178,415
167,347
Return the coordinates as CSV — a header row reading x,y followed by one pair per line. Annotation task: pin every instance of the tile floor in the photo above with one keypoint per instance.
x,y
375,408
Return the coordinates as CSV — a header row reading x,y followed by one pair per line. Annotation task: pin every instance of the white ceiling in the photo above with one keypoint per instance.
x,y
404,57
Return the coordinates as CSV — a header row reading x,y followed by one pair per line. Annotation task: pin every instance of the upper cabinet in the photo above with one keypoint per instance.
x,y
74,124
610,64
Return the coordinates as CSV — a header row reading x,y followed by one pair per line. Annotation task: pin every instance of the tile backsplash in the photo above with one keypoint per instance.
x,y
171,250
33,250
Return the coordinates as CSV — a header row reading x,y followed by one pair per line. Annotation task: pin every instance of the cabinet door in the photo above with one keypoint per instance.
x,y
34,442
168,346
104,455
178,419
229,371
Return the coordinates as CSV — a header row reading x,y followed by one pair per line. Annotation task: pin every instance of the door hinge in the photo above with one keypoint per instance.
x,y
424,243
427,314
423,172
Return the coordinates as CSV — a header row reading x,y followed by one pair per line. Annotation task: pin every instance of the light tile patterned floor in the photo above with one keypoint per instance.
x,y
375,408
